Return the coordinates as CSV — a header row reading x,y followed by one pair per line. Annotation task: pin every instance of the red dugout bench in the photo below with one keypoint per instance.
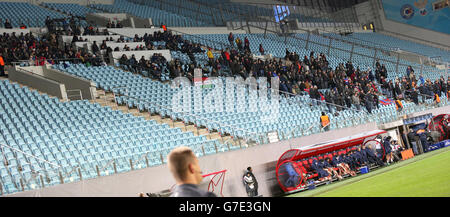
x,y
293,168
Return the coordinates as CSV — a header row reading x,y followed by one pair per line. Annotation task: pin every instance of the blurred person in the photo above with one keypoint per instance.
x,y
185,168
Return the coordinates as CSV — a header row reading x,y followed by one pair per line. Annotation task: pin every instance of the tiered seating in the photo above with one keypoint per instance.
x,y
74,9
294,119
31,15
158,16
390,43
383,41
44,131
250,11
275,45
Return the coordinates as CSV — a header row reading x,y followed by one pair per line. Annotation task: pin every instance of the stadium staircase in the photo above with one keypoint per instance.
x,y
107,99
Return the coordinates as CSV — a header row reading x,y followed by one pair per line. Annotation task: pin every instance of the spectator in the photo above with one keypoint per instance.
x,y
184,166
95,48
398,105
119,25
210,56
247,44
325,121
231,39
8,24
2,66
369,101
261,49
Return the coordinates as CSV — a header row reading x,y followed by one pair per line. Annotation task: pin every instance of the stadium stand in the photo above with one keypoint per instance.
x,y
158,16
70,9
356,79
42,133
29,14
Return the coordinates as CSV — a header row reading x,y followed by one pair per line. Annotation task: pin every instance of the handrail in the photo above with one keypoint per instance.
x,y
39,159
187,114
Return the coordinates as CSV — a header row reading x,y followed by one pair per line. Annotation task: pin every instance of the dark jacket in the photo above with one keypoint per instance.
x,y
190,190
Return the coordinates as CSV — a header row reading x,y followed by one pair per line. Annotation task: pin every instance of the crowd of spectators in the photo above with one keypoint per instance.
x,y
158,64
154,66
112,24
345,86
28,49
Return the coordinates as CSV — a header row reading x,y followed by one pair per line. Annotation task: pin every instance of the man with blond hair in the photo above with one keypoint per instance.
x,y
184,166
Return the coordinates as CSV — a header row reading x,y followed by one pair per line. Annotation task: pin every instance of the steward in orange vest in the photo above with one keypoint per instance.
x,y
325,120
398,105
2,66
436,98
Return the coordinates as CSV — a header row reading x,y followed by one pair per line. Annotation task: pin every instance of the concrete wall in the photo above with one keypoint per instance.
x,y
131,32
35,69
90,38
416,34
38,82
158,178
141,22
16,30
71,82
99,20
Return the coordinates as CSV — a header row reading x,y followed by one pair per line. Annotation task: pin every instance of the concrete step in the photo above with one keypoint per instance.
x,y
107,99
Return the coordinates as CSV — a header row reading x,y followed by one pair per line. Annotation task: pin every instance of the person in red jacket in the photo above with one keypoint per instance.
x,y
261,49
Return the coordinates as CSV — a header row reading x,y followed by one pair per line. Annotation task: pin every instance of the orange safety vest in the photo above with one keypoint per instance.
x,y
438,100
325,120
398,103
164,27
2,62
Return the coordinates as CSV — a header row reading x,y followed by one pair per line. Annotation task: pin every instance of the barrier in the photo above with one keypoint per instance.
x,y
407,154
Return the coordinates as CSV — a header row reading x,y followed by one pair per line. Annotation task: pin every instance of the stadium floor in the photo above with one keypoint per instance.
x,y
426,175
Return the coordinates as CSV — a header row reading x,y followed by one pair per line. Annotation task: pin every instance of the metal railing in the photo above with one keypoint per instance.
x,y
78,94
